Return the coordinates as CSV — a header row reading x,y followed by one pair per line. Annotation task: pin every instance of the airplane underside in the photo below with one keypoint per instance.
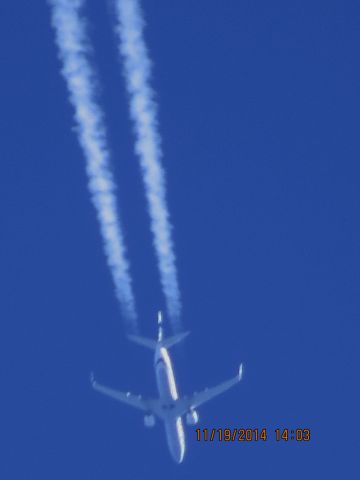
x,y
168,406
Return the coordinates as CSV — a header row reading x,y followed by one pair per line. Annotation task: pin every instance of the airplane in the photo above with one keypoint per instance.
x,y
169,407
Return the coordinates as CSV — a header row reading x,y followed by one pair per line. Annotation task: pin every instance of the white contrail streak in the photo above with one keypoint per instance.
x,y
71,40
137,71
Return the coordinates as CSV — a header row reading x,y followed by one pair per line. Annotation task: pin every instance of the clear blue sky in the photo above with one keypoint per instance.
x,y
259,113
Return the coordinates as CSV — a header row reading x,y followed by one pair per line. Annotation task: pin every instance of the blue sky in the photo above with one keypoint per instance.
x,y
258,110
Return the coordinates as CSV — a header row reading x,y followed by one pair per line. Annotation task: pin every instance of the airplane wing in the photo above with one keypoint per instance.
x,y
184,404
130,399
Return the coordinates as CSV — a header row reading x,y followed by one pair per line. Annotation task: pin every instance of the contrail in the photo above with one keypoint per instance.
x,y
71,39
143,110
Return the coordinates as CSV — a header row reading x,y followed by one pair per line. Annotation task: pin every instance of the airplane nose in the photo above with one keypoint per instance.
x,y
177,454
175,438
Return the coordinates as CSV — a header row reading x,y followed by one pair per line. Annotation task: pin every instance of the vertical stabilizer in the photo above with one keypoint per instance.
x,y
160,326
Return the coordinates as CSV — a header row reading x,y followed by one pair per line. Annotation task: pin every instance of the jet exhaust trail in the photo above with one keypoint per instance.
x,y
143,111
71,39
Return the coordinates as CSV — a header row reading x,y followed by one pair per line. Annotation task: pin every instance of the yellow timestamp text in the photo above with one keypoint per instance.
x,y
253,434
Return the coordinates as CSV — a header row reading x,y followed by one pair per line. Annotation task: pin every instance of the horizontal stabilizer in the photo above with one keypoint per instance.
x,y
152,344
170,341
145,342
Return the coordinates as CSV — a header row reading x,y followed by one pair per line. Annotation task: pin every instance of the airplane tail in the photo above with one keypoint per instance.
x,y
161,341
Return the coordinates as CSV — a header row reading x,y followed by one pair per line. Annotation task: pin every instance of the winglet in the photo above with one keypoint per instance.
x,y
241,371
92,378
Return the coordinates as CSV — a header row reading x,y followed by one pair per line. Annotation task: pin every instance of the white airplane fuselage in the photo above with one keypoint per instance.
x,y
166,385
168,407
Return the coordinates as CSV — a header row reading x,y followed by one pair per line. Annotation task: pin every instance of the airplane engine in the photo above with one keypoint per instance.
x,y
149,421
192,417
